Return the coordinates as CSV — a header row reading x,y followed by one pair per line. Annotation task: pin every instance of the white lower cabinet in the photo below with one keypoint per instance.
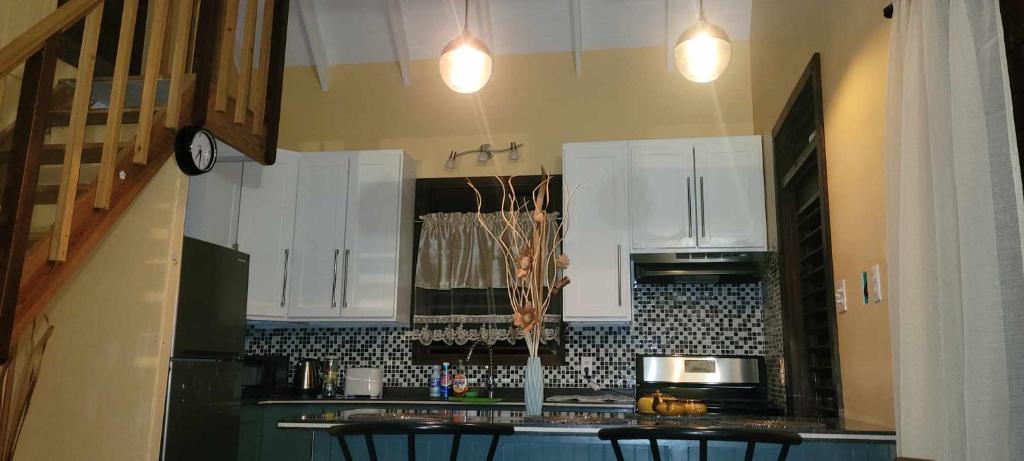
x,y
597,241
329,234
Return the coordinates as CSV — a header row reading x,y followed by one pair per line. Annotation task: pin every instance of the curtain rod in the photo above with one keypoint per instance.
x,y
887,12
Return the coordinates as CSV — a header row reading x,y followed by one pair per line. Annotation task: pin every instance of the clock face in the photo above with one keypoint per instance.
x,y
202,150
195,150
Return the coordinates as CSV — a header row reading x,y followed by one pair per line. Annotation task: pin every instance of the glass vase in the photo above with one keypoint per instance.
x,y
533,387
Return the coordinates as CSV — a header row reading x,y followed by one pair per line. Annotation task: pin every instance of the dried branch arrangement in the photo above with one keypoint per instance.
x,y
18,381
532,252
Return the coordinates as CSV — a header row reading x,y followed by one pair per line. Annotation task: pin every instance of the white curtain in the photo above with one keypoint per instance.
x,y
455,251
954,234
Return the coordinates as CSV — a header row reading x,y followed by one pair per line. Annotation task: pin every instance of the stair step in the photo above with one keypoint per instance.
x,y
95,117
47,195
53,154
102,87
107,78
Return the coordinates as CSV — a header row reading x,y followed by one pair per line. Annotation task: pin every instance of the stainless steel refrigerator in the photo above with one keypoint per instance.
x,y
204,386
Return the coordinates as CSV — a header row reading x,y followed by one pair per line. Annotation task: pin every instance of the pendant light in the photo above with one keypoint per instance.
x,y
465,61
703,51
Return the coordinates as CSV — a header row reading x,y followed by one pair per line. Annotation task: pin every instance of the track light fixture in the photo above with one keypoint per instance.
x,y
484,153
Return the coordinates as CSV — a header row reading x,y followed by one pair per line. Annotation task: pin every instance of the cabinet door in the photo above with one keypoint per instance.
x,y
319,235
661,195
730,185
369,263
213,200
597,242
265,220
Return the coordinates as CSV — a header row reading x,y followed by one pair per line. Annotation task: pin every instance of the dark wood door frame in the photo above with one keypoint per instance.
x,y
1013,34
796,353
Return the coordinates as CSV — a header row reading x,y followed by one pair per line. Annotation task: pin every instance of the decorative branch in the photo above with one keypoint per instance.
x,y
531,249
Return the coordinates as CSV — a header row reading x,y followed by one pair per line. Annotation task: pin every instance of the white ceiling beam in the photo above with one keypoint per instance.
x,y
577,35
483,10
396,21
314,40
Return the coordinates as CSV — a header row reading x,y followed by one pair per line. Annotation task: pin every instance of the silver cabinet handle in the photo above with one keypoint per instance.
x,y
334,280
703,229
689,208
284,277
618,270
344,280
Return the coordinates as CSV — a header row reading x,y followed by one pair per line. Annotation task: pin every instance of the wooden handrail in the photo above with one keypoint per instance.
x,y
32,40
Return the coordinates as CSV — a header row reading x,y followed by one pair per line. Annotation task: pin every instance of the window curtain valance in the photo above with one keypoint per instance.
x,y
458,257
456,252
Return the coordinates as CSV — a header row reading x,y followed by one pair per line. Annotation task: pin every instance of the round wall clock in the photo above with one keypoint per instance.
x,y
195,150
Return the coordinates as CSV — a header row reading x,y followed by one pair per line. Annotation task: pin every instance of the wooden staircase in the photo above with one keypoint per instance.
x,y
81,149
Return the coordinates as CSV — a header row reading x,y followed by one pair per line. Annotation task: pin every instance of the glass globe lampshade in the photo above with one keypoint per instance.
x,y
703,52
465,64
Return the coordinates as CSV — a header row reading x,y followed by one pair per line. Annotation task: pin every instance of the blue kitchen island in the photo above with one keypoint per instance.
x,y
297,430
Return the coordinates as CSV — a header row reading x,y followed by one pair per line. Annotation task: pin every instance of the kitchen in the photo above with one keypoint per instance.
x,y
370,268
504,229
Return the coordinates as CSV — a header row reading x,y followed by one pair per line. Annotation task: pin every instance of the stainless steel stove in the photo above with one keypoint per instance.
x,y
728,384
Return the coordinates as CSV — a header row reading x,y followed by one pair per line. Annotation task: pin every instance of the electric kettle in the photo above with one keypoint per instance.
x,y
307,377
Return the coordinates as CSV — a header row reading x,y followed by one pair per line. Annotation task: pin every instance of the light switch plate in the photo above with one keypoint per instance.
x,y
841,297
875,274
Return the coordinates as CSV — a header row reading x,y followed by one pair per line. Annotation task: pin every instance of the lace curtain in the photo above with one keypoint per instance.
x,y
460,283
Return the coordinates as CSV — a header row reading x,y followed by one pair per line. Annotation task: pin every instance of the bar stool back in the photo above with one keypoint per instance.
x,y
702,435
412,429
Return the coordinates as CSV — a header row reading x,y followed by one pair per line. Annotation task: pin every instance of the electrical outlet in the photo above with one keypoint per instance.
x,y
841,297
587,366
864,288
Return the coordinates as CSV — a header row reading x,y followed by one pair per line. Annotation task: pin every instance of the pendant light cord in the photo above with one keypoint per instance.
x,y
701,9
465,23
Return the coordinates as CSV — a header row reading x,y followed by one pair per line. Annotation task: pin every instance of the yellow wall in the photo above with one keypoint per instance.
x,y
852,37
535,99
101,390
16,16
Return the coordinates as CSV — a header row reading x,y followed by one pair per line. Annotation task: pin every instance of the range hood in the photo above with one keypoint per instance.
x,y
698,267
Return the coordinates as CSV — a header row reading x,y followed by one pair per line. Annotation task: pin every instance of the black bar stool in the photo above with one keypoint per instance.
x,y
412,429
703,435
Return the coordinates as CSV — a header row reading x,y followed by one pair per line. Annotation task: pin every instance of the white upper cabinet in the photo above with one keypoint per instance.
x,y
597,241
320,216
213,199
329,235
730,191
265,223
377,255
696,195
661,195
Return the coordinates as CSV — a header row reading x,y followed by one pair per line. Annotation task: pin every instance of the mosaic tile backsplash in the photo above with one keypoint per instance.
x,y
681,318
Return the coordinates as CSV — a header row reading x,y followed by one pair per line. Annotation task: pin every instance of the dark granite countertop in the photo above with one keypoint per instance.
x,y
606,398
584,421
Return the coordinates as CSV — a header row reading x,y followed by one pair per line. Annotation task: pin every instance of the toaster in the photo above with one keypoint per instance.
x,y
364,382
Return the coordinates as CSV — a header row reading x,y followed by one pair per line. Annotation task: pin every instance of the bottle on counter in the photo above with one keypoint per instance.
x,y
460,385
446,380
435,382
